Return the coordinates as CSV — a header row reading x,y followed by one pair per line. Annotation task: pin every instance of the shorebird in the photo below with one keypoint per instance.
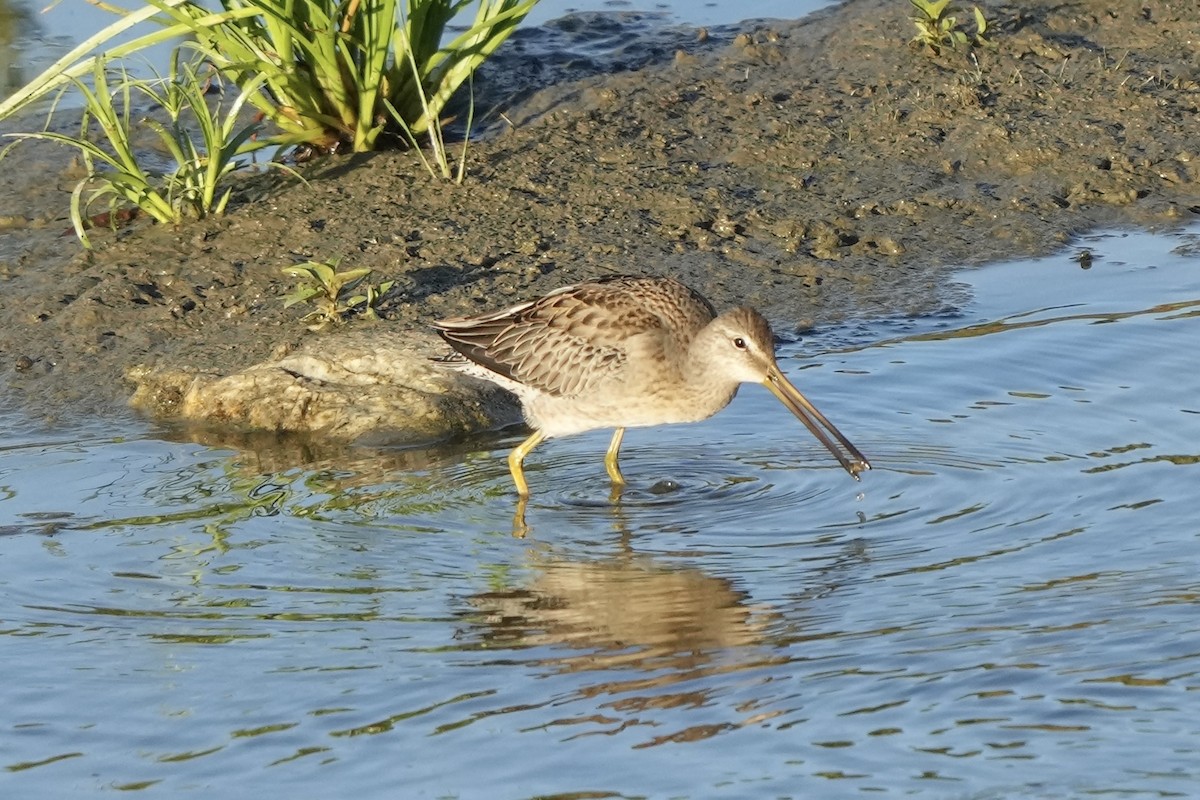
x,y
625,352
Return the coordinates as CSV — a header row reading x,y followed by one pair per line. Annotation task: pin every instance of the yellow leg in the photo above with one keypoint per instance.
x,y
610,459
517,457
520,529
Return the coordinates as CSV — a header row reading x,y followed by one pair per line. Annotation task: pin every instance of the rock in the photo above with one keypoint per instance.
x,y
368,386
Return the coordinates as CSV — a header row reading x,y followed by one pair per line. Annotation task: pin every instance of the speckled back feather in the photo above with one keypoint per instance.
x,y
575,337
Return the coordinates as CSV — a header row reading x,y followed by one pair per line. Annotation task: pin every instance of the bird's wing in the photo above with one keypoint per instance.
x,y
564,343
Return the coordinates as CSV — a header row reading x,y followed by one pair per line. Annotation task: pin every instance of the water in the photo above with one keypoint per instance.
x,y
1005,607
33,35
691,12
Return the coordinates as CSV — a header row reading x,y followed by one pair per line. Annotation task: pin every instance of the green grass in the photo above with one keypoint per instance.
x,y
339,75
205,142
323,76
329,74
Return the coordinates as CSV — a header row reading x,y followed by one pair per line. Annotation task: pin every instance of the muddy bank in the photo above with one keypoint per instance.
x,y
819,169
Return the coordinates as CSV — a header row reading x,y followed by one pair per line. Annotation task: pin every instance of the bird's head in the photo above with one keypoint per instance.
x,y
738,346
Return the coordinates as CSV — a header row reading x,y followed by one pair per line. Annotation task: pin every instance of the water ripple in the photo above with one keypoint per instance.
x,y
1008,598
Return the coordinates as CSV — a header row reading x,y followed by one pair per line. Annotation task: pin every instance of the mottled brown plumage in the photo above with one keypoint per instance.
x,y
625,352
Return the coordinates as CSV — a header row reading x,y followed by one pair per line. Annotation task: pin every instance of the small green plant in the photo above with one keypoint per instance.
x,y
937,25
334,293
204,142
369,299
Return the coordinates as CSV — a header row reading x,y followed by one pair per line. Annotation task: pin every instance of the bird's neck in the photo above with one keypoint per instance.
x,y
704,384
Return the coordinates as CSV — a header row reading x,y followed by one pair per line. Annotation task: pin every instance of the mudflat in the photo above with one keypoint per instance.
x,y
820,169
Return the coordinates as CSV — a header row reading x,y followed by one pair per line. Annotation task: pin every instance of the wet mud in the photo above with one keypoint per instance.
x,y
821,170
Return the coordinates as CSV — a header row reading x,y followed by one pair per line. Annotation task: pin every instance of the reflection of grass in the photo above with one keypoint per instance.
x,y
14,21
21,766
245,496
1190,308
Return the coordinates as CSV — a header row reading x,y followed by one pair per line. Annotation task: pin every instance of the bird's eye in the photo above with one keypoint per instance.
x,y
739,343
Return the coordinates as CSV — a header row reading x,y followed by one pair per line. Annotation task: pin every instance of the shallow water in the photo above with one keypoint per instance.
x,y
691,12
1006,606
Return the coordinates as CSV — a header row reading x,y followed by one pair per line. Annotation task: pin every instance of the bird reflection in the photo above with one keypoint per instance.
x,y
634,609
640,624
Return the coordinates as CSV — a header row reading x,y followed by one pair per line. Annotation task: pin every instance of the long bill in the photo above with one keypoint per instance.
x,y
807,413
